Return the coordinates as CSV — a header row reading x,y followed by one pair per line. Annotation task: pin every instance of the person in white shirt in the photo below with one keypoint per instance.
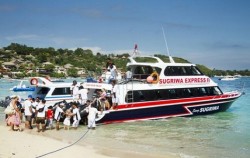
x,y
113,72
115,94
34,104
91,117
40,116
28,112
58,113
83,93
76,115
128,75
74,91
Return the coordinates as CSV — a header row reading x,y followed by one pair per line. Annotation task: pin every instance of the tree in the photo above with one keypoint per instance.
x,y
72,72
79,52
49,68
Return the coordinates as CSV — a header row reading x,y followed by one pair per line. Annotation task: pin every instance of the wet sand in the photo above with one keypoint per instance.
x,y
30,144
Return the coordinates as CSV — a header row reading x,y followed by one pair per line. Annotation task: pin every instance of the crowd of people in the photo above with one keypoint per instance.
x,y
36,113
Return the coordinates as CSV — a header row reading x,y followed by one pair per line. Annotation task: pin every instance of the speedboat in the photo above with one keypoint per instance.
x,y
157,90
228,78
161,90
22,87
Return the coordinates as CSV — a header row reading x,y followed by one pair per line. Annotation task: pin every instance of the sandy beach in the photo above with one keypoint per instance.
x,y
30,144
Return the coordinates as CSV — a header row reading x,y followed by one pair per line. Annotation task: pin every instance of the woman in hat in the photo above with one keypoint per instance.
x,y
13,119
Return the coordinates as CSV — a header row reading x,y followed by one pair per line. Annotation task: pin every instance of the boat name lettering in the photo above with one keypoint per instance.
x,y
93,85
206,109
184,80
212,108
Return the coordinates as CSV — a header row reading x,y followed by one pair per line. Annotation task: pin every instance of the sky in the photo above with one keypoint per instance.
x,y
215,33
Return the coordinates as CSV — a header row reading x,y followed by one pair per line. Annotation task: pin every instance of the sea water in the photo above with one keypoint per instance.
x,y
224,134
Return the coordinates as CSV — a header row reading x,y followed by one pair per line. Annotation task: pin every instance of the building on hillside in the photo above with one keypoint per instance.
x,y
46,63
81,72
60,69
9,65
68,66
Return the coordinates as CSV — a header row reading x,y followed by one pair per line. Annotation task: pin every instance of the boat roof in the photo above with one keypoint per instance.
x,y
43,82
158,63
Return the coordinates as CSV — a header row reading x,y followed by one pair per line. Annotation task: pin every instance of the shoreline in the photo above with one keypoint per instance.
x,y
16,144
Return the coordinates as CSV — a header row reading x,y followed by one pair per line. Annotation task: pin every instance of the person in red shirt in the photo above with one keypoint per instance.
x,y
50,115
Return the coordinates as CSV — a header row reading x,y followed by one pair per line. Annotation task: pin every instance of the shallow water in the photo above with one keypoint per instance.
x,y
224,134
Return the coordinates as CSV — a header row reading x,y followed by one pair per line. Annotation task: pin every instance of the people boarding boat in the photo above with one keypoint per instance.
x,y
162,90
157,90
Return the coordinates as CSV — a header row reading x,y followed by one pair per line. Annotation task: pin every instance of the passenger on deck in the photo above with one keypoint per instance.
x,y
83,95
107,63
74,91
113,72
102,99
115,94
128,75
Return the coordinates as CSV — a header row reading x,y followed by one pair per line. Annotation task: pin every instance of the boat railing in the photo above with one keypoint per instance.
x,y
132,80
230,94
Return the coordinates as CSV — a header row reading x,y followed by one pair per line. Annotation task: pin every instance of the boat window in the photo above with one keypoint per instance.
x,y
158,94
142,72
195,71
61,91
148,95
172,93
202,91
43,91
164,94
181,71
137,96
217,91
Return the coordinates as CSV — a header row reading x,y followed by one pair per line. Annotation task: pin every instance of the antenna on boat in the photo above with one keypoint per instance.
x,y
169,56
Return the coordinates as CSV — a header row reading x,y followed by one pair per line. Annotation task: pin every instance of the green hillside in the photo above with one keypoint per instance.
x,y
29,58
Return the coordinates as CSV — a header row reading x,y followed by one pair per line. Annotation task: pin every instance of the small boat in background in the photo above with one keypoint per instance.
x,y
22,87
228,78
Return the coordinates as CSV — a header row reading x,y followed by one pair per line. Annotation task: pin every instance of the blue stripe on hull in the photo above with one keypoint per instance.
x,y
167,111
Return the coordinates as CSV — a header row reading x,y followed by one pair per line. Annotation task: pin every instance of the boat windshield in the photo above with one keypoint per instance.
x,y
182,71
142,72
43,91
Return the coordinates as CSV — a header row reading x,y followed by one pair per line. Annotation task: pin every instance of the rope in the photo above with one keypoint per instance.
x,y
84,134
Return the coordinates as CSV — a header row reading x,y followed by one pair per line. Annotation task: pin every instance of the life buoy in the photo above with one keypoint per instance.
x,y
155,77
34,81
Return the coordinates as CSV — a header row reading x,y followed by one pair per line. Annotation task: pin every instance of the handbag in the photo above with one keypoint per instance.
x,y
40,110
9,110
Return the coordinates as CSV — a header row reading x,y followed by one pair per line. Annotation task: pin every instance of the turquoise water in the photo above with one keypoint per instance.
x,y
225,134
